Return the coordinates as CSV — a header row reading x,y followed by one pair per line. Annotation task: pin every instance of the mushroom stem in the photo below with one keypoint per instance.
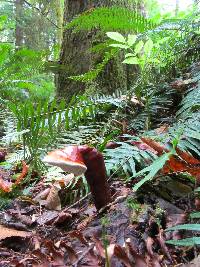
x,y
96,176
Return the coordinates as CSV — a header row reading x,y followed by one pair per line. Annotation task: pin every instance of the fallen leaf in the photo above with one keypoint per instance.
x,y
57,257
187,157
155,145
36,242
138,259
24,219
42,257
41,196
70,251
162,129
23,174
143,146
120,253
100,249
53,199
47,217
5,186
62,217
80,236
149,244
163,246
8,232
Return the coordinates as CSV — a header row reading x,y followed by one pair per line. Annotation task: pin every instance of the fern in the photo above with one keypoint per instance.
x,y
20,73
111,18
126,157
191,227
51,124
152,170
185,242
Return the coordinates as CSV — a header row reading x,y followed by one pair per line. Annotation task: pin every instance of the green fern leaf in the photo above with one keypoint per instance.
x,y
195,215
185,242
191,227
152,170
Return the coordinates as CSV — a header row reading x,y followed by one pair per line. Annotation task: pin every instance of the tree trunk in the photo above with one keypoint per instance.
x,y
75,57
59,18
18,23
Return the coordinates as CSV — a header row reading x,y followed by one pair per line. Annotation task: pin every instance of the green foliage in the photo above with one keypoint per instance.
x,y
185,242
152,170
191,227
20,74
4,202
44,124
111,18
93,74
192,241
195,215
127,158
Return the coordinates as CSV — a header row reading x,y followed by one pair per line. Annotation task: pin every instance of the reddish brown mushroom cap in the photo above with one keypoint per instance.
x,y
88,160
68,159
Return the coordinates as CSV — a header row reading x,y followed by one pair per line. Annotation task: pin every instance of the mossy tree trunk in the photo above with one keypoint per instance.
x,y
18,24
59,18
76,58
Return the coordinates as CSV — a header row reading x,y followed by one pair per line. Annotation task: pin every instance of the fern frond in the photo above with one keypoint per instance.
x,y
128,157
111,18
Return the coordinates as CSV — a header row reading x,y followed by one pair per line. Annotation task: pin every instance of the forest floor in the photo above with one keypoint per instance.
x,y
130,231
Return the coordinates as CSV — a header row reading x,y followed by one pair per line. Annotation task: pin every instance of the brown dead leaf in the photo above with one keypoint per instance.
x,y
149,245
62,217
70,251
8,232
121,254
187,157
53,199
24,219
23,174
80,236
163,246
57,256
100,249
41,196
153,261
162,129
182,85
175,164
144,146
48,217
42,257
138,259
155,145
194,263
5,186
84,223
36,242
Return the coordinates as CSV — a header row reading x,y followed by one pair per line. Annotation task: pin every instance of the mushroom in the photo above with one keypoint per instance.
x,y
80,160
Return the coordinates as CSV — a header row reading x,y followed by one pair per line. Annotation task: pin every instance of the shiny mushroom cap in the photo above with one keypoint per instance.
x,y
68,159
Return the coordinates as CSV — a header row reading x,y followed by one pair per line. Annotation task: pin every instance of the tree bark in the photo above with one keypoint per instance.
x,y
59,18
18,23
75,57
